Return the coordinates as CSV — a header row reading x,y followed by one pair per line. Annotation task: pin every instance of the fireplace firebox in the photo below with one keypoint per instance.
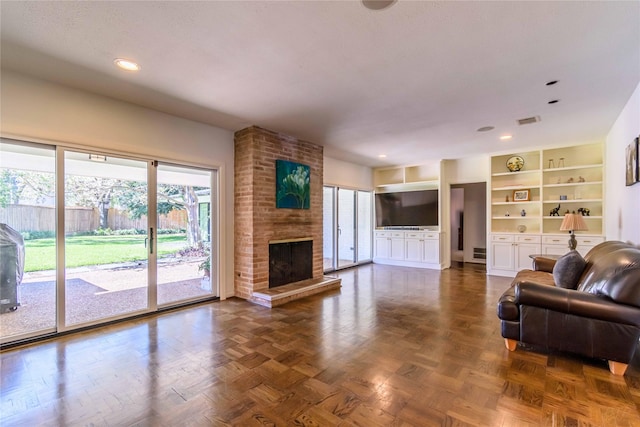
x,y
290,261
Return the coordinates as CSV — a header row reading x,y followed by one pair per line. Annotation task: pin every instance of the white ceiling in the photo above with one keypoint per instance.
x,y
413,81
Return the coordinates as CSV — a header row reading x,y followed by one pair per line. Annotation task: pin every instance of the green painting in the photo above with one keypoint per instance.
x,y
292,185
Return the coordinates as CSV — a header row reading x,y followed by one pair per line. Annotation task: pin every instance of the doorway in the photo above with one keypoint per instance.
x,y
468,223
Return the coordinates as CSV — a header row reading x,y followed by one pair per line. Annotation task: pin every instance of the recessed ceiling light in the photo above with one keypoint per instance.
x,y
553,101
485,129
126,64
382,156
377,4
551,83
506,137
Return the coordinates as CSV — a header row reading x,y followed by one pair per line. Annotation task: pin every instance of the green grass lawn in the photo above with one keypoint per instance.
x,y
40,254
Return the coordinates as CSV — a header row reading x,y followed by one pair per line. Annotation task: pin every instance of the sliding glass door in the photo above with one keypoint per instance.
x,y
87,237
107,237
27,240
347,227
328,228
184,263
365,226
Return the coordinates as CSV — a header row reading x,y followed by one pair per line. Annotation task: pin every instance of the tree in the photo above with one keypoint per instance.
x,y
19,186
170,197
94,192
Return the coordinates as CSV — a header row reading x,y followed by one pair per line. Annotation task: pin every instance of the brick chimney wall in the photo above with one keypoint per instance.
x,y
257,221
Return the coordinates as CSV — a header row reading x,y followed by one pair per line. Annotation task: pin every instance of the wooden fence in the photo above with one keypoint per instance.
x,y
79,219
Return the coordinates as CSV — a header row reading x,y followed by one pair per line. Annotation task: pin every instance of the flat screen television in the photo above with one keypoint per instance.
x,y
407,209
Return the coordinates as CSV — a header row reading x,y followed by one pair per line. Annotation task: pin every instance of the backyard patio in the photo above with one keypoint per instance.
x,y
97,293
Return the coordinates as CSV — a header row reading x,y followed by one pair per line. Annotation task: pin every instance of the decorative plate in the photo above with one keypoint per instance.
x,y
515,163
522,228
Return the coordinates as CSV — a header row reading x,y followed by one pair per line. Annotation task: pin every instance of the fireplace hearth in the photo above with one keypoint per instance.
x,y
290,261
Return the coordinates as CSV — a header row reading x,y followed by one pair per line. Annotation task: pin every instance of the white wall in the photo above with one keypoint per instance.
x,y
36,110
348,175
622,204
467,170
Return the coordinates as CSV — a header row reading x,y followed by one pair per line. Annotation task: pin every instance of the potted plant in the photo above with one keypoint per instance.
x,y
205,266
205,282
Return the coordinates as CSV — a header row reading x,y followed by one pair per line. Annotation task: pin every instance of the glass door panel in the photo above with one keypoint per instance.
x,y
106,255
185,213
365,226
27,240
346,228
328,228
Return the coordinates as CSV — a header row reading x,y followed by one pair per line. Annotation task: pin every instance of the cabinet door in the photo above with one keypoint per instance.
x,y
555,249
502,256
431,251
397,248
383,247
413,249
522,258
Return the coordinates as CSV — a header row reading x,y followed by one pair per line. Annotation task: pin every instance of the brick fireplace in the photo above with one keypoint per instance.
x,y
257,220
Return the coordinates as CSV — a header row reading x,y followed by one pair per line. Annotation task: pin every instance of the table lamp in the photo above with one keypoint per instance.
x,y
573,222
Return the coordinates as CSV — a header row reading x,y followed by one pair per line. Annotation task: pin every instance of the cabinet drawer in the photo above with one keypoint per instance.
x,y
527,239
589,240
414,235
431,236
383,234
397,234
502,238
555,240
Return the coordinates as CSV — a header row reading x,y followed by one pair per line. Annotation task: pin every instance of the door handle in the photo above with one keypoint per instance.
x,y
151,240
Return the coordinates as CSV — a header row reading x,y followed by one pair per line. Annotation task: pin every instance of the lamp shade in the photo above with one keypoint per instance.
x,y
573,222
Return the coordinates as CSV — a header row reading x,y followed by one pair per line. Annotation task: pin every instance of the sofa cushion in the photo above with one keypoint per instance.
x,y
540,277
568,269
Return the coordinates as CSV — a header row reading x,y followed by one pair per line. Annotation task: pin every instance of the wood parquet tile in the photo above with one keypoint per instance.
x,y
394,347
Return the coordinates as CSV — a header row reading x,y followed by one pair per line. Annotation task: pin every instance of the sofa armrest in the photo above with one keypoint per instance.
x,y
507,309
576,303
541,263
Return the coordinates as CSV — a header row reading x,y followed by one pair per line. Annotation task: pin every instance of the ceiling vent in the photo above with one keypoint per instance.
x,y
529,120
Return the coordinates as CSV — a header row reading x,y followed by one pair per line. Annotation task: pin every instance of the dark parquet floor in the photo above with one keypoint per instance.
x,y
394,347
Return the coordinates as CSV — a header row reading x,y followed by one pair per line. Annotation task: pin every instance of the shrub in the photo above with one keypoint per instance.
x,y
34,235
193,251
102,232
128,232
171,230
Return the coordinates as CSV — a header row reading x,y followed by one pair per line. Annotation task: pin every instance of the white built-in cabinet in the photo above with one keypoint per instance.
x,y
568,177
411,248
512,252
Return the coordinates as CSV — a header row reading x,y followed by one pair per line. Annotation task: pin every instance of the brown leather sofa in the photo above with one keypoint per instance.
x,y
600,318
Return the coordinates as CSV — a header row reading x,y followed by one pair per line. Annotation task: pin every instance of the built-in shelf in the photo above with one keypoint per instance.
x,y
535,171
425,176
572,184
548,186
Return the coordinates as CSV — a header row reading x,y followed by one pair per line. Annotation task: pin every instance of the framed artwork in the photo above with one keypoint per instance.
x,y
632,172
292,185
521,196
